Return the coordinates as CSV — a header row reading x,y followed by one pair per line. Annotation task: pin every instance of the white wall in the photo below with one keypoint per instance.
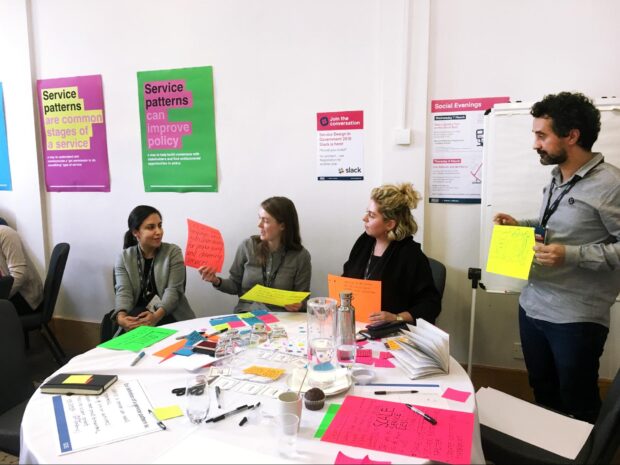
x,y
276,63
524,49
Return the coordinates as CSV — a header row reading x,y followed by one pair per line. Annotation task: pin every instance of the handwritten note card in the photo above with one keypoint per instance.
x,y
138,338
269,295
205,246
510,251
392,427
366,294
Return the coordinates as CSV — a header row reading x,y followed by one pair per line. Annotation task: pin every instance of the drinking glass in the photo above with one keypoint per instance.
x,y
287,426
197,398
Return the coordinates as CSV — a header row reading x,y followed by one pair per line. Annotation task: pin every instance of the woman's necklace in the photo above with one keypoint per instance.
x,y
369,270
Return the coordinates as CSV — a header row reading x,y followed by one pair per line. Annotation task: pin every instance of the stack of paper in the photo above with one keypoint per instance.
x,y
426,350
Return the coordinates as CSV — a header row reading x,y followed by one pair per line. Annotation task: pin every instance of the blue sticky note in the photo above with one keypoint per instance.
x,y
192,338
259,312
223,319
252,321
5,170
185,351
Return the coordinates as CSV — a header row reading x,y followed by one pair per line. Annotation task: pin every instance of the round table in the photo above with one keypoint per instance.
x,y
225,441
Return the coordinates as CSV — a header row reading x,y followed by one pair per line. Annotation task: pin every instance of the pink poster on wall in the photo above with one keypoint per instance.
x,y
75,150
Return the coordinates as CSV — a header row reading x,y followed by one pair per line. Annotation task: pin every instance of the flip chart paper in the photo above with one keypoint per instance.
x,y
511,251
138,338
366,294
205,246
269,295
391,427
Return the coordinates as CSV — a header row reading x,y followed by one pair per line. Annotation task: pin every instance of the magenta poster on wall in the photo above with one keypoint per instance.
x,y
75,150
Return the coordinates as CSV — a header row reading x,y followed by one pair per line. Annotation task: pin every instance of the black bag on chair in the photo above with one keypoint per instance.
x,y
108,327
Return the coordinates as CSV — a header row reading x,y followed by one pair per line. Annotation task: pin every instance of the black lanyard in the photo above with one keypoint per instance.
x,y
145,282
552,207
272,276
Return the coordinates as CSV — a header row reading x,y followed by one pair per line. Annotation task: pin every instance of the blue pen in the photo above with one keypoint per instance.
x,y
138,358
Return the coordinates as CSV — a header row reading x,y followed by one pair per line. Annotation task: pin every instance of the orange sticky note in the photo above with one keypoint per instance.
x,y
205,246
267,372
170,349
366,294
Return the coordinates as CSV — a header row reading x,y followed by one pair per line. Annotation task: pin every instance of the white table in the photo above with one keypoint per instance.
x,y
225,441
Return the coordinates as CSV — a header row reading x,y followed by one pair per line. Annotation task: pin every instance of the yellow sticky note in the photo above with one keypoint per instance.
x,y
267,372
77,379
246,315
392,344
165,413
269,295
511,251
221,327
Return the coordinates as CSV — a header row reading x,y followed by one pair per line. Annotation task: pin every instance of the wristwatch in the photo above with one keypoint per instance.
x,y
399,318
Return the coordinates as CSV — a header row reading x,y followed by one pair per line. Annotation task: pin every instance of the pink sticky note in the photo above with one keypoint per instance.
x,y
364,353
368,461
205,246
268,318
385,355
364,360
342,459
236,324
362,343
367,422
455,394
383,363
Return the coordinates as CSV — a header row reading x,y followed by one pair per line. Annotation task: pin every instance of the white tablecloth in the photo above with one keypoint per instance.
x,y
225,441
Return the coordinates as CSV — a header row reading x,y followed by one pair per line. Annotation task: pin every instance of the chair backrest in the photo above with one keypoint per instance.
x,y
6,283
55,271
439,275
16,385
604,440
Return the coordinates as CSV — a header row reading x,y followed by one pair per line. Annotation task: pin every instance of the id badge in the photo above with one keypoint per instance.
x,y
154,304
539,234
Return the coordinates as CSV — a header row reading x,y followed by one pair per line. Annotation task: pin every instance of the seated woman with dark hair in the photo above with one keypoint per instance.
x,y
275,258
386,252
149,275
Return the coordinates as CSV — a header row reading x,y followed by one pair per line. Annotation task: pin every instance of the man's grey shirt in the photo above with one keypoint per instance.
x,y
587,223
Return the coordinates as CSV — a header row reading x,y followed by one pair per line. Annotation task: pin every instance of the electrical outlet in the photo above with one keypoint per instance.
x,y
517,352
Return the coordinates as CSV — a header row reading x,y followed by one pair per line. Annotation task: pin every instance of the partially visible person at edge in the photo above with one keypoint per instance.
x,y
564,310
27,291
149,275
386,252
274,258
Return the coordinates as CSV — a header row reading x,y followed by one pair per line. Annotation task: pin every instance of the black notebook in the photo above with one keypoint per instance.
x,y
78,383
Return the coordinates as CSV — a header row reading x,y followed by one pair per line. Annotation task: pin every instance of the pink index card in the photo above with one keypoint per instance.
x,y
342,459
364,360
268,318
455,394
391,427
362,343
364,353
383,363
236,324
205,246
385,355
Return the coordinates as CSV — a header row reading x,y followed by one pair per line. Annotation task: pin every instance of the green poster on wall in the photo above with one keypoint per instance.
x,y
177,120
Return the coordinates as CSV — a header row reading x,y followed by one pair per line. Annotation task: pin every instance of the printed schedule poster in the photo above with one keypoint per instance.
x,y
340,146
456,151
75,149
5,170
177,120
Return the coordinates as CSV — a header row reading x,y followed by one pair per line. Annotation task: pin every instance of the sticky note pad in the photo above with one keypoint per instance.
x,y
77,379
165,413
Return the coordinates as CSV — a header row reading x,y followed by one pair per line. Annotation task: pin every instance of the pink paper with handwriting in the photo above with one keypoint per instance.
x,y
391,427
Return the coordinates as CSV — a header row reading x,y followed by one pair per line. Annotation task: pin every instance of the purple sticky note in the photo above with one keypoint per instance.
x,y
454,394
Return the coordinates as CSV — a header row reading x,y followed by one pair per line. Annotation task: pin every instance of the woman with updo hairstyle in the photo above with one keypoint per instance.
x,y
386,252
149,275
273,258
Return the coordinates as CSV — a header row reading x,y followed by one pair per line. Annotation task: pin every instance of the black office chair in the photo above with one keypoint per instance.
x,y
600,447
16,386
6,283
40,318
439,275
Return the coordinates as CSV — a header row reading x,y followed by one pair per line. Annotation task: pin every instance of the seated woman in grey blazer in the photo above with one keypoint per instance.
x,y
149,275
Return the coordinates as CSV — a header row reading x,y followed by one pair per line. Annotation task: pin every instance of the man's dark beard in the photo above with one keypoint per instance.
x,y
552,159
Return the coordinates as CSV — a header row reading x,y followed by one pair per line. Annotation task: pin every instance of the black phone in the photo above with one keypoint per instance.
x,y
379,325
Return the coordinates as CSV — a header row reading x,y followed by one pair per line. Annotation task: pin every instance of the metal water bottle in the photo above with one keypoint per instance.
x,y
345,330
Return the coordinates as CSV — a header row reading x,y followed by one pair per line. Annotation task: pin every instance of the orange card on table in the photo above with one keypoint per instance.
x,y
205,246
366,294
166,351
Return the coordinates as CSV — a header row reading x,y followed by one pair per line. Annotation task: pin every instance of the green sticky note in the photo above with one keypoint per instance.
x,y
165,413
327,420
138,338
221,327
246,315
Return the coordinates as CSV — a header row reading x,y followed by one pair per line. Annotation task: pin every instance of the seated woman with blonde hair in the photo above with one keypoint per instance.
x,y
386,252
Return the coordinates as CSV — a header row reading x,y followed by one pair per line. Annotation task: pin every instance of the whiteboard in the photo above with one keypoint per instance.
x,y
513,178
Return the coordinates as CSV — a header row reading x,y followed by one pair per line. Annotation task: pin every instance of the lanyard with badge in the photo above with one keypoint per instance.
x,y
268,279
541,231
152,299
